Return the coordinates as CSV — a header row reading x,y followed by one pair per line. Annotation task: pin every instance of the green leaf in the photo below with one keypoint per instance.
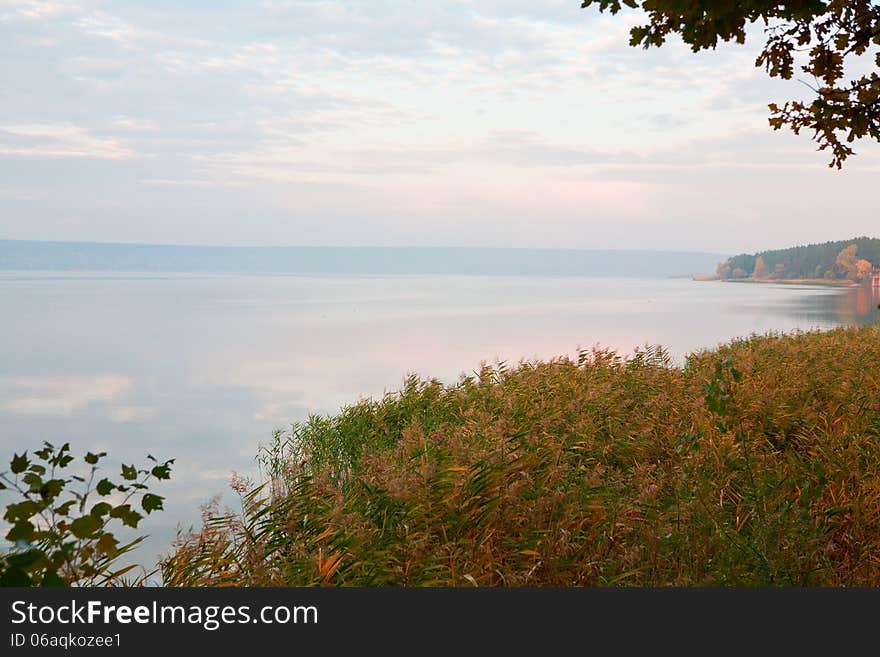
x,y
14,577
22,510
19,463
132,518
129,472
85,526
100,509
21,531
91,459
51,578
33,480
152,502
52,489
64,509
162,471
63,458
105,487
25,559
129,516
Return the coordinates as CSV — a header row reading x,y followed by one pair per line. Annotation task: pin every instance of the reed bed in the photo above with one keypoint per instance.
x,y
754,464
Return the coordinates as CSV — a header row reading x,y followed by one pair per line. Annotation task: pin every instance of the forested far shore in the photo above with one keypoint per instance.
x,y
844,260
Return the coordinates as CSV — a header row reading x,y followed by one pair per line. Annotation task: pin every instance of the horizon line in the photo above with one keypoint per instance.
x,y
359,246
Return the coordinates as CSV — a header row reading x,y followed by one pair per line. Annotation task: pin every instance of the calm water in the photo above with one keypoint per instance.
x,y
203,368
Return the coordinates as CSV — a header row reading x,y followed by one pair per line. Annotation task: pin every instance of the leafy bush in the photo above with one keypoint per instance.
x,y
60,537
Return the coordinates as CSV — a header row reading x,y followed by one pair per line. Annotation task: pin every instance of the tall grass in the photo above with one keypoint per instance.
x,y
754,464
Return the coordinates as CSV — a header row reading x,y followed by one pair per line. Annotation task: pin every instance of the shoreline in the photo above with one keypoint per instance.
x,y
818,282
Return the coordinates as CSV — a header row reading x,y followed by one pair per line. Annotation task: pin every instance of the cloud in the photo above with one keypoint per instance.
x,y
102,25
128,414
135,124
180,182
33,10
58,140
510,148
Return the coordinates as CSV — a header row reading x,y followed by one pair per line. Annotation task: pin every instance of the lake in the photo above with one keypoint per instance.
x,y
202,368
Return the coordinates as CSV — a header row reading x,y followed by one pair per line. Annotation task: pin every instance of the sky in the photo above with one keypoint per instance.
x,y
504,123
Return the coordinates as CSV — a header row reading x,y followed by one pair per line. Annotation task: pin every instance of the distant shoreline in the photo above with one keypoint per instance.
x,y
311,260
819,282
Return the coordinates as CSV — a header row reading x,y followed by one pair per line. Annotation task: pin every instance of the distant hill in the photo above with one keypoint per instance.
x,y
83,256
803,262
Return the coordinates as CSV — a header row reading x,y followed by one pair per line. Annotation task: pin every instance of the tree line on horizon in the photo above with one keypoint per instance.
x,y
844,259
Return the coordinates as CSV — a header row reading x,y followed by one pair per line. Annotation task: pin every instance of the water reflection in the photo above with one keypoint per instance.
x,y
859,306
821,307
203,368
61,395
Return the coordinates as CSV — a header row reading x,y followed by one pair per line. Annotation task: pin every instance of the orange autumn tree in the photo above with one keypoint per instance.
x,y
761,270
847,262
